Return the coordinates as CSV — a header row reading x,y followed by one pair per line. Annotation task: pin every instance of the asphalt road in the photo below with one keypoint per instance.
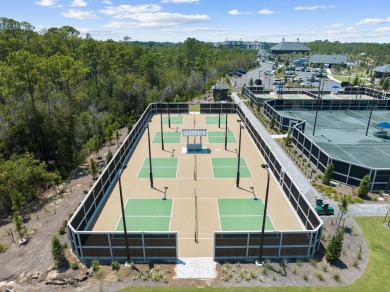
x,y
268,80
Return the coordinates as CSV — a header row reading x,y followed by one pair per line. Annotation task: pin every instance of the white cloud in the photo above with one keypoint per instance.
x,y
197,29
314,7
158,20
78,3
126,11
46,2
336,25
107,2
373,21
265,11
179,1
383,29
236,12
78,14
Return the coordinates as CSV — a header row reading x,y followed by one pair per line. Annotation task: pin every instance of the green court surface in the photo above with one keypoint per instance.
x,y
169,137
147,215
219,137
161,168
175,120
213,120
227,168
242,215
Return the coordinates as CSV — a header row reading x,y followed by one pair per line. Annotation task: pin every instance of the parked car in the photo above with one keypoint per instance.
x,y
258,82
345,83
296,80
278,82
242,71
306,84
268,72
308,70
234,73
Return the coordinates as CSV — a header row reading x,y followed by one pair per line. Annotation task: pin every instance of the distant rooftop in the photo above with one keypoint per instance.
x,y
289,47
329,59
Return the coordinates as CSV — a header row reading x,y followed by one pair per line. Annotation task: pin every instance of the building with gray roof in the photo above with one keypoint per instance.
x,y
382,71
329,59
289,47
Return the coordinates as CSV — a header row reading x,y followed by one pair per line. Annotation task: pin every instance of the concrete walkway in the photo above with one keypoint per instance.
x,y
297,176
196,268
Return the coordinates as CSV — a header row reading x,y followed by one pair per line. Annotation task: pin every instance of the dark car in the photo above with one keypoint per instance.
x,y
345,83
258,82
242,71
234,73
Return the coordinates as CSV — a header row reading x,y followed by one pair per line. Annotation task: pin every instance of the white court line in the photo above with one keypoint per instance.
x,y
219,216
170,220
337,125
348,154
382,151
146,216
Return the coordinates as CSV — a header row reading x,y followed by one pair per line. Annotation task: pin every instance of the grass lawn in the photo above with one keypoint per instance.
x,y
346,78
375,278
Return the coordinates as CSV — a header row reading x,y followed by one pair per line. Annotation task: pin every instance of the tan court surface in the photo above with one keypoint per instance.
x,y
208,189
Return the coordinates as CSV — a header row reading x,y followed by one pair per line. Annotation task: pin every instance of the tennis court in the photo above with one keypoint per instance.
x,y
342,134
242,215
294,96
147,215
213,120
161,167
175,120
169,137
219,137
227,168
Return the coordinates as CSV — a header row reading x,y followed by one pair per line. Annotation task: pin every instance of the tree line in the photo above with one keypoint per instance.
x,y
63,95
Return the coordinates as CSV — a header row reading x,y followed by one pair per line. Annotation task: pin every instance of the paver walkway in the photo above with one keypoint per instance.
x,y
196,268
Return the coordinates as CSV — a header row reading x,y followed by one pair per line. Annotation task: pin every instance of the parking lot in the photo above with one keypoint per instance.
x,y
269,80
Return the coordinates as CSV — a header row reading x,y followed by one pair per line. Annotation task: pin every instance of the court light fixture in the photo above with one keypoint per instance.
x,y
128,260
239,156
260,261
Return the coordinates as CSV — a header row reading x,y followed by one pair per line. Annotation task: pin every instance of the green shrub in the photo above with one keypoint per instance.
x,y
58,252
115,266
335,246
74,266
3,248
95,265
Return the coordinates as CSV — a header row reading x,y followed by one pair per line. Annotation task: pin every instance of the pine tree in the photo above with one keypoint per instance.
x,y
287,140
328,174
364,186
58,252
335,246
343,206
18,221
93,168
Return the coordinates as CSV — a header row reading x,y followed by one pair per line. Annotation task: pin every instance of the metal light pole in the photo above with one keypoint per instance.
x,y
239,156
128,262
150,160
219,116
260,262
169,116
226,125
369,119
315,119
162,132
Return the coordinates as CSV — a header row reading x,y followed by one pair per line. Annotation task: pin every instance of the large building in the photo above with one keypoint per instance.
x,y
240,44
289,47
382,71
329,60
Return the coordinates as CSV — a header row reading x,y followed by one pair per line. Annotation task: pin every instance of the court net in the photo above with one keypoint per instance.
x,y
361,118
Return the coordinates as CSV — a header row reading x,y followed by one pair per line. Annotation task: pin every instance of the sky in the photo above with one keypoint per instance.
x,y
210,20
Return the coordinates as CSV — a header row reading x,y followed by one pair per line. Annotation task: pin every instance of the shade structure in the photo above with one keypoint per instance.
x,y
279,86
335,86
383,125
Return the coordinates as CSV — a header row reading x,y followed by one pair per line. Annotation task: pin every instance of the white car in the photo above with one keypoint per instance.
x,y
306,84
